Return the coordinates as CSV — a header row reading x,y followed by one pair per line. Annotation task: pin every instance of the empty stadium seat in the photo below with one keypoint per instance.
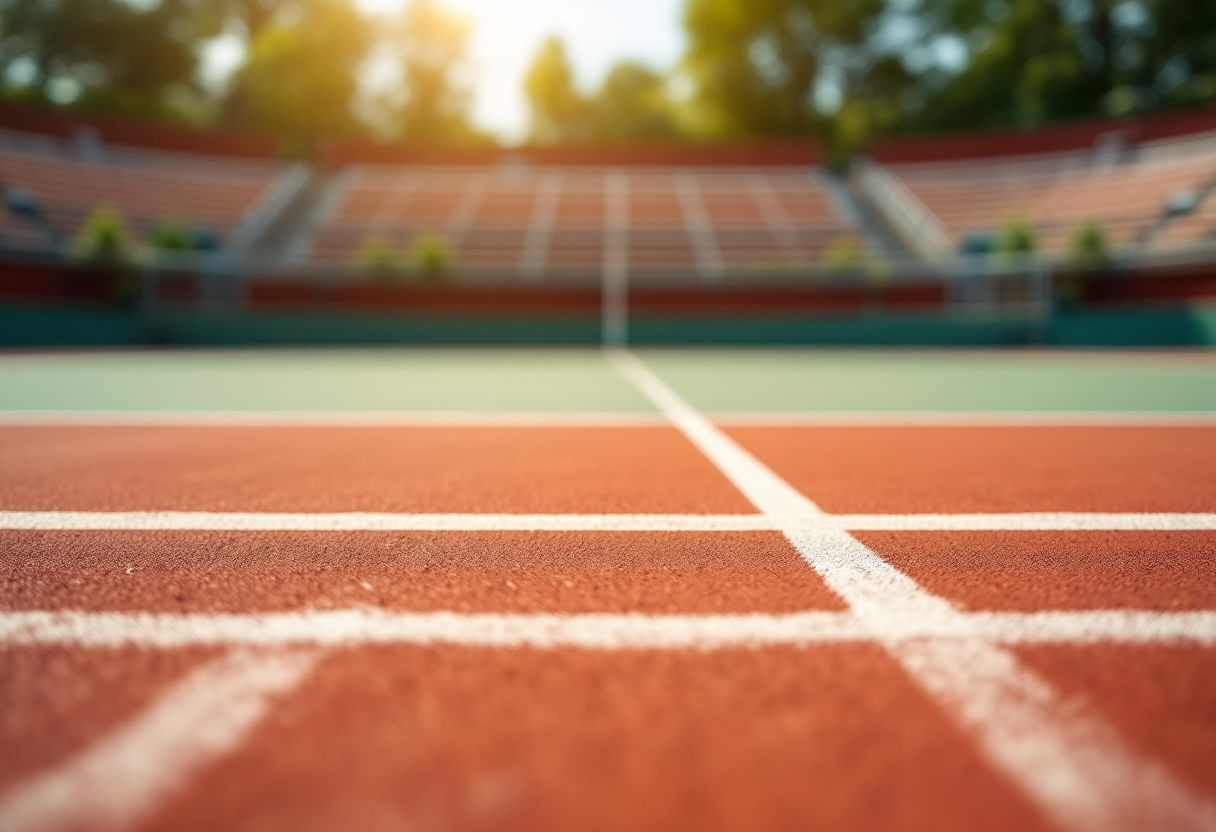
x,y
69,181
554,223
1126,193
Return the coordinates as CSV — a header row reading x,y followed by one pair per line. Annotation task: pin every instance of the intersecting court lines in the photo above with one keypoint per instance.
x,y
1020,723
1076,768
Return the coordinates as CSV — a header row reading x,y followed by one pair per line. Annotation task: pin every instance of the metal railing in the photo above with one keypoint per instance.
x,y
919,226
269,206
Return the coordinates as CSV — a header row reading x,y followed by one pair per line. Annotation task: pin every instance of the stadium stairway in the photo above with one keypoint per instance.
x,y
1170,222
282,230
878,230
878,239
307,215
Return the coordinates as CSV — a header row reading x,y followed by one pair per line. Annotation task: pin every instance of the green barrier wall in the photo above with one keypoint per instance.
x,y
33,325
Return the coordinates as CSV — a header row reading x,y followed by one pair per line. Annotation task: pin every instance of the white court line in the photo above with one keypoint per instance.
x,y
1038,521
381,522
1074,767
122,778
594,631
376,522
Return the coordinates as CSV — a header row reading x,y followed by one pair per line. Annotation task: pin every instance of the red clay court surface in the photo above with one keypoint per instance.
x,y
819,662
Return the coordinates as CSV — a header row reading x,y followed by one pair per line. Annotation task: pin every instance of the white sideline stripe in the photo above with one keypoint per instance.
x,y
1078,771
377,522
594,631
121,778
359,419
1075,766
357,521
1037,521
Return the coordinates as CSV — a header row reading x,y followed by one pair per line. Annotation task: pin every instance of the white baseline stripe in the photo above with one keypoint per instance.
x,y
595,631
1078,771
379,521
1043,521
295,418
376,522
120,779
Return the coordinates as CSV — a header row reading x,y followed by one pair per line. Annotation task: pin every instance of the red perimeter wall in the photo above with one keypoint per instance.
x,y
63,123
43,282
1078,135
753,154
131,132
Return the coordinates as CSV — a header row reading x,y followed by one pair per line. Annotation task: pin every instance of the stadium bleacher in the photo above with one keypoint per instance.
x,y
1196,227
544,221
1126,190
68,179
545,215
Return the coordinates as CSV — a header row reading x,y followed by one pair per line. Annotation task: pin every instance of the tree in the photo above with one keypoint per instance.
x,y
1031,67
559,113
757,64
632,105
104,54
301,72
1174,61
432,44
1036,60
253,15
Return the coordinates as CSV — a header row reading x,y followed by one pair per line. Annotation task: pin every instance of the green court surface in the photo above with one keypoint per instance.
x,y
808,381
583,381
390,380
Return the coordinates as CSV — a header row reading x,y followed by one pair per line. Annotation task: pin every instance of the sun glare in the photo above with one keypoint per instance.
x,y
506,35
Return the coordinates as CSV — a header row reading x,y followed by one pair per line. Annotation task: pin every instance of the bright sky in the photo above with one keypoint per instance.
x,y
597,33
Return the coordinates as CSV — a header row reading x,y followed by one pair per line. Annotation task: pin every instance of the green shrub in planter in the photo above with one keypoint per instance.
x,y
1088,247
104,239
1017,237
170,235
431,256
104,245
880,274
844,256
377,256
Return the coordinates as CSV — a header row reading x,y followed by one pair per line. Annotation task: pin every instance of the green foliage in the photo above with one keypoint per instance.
x,y
842,71
559,113
104,239
1088,247
879,274
759,65
377,256
434,98
756,64
1030,69
170,235
138,58
845,255
1016,237
631,104
431,256
1036,60
301,71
